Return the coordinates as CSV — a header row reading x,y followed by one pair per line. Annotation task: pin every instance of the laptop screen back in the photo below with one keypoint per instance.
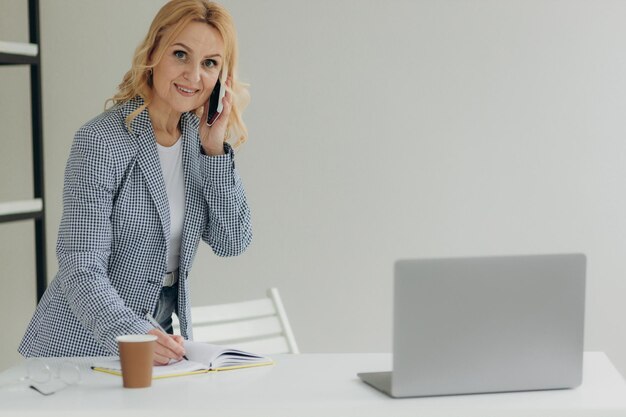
x,y
469,325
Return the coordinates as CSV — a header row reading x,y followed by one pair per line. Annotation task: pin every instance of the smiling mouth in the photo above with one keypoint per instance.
x,y
186,90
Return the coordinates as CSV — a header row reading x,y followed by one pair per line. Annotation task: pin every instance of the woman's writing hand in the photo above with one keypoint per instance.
x,y
212,137
167,347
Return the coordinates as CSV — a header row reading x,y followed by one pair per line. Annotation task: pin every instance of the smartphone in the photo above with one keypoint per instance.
x,y
215,103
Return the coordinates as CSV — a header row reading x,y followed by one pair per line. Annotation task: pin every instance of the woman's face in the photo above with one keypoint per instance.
x,y
188,71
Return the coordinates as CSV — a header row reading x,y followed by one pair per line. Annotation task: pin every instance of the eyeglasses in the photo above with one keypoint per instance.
x,y
49,378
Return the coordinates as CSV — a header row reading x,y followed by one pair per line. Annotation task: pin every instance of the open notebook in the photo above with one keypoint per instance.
x,y
203,357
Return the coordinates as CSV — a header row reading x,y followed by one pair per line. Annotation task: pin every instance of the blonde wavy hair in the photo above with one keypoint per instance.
x,y
169,22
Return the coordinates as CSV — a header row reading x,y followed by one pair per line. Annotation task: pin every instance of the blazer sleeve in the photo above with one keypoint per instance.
x,y
228,229
84,243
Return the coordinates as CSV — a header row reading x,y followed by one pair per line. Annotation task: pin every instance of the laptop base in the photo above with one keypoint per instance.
x,y
379,380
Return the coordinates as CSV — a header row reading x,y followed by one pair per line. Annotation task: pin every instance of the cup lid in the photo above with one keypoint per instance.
x,y
135,338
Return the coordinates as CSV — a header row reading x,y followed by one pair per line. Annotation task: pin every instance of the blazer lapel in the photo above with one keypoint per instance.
x,y
193,186
149,163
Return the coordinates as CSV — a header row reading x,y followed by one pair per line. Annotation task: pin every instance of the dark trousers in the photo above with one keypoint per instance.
x,y
167,304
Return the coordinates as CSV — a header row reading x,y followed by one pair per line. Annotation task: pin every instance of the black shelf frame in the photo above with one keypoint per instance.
x,y
15,59
13,217
37,144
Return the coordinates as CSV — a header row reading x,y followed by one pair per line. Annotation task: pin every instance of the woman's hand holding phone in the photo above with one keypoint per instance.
x,y
212,137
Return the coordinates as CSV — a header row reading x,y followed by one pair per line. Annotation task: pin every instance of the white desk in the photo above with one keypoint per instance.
x,y
306,385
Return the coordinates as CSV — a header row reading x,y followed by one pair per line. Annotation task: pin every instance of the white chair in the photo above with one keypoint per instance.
x,y
259,326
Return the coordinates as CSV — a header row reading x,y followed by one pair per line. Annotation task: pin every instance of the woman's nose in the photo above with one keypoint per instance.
x,y
192,74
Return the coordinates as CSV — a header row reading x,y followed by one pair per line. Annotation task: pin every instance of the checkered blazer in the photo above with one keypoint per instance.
x,y
114,233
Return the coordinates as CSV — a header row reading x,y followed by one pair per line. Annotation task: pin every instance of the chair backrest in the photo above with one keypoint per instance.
x,y
259,326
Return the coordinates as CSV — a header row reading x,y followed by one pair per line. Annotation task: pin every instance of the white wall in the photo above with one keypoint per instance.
x,y
381,130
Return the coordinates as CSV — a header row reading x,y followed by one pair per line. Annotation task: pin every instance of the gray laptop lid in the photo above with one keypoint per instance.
x,y
472,325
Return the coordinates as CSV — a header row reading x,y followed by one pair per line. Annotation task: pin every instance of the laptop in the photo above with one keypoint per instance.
x,y
482,325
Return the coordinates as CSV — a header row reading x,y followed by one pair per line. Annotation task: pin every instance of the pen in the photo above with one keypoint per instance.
x,y
157,326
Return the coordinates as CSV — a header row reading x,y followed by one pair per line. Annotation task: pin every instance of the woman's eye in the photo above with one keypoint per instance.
x,y
180,54
210,63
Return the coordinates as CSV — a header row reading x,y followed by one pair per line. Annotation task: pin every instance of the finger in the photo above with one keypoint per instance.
x,y
162,351
176,342
228,97
160,360
179,339
174,349
166,346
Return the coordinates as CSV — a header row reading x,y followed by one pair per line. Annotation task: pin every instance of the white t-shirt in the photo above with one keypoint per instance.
x,y
172,166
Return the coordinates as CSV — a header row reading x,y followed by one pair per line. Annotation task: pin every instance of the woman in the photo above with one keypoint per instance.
x,y
144,182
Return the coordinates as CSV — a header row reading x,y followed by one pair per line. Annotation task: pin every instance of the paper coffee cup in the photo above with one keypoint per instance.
x,y
136,356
